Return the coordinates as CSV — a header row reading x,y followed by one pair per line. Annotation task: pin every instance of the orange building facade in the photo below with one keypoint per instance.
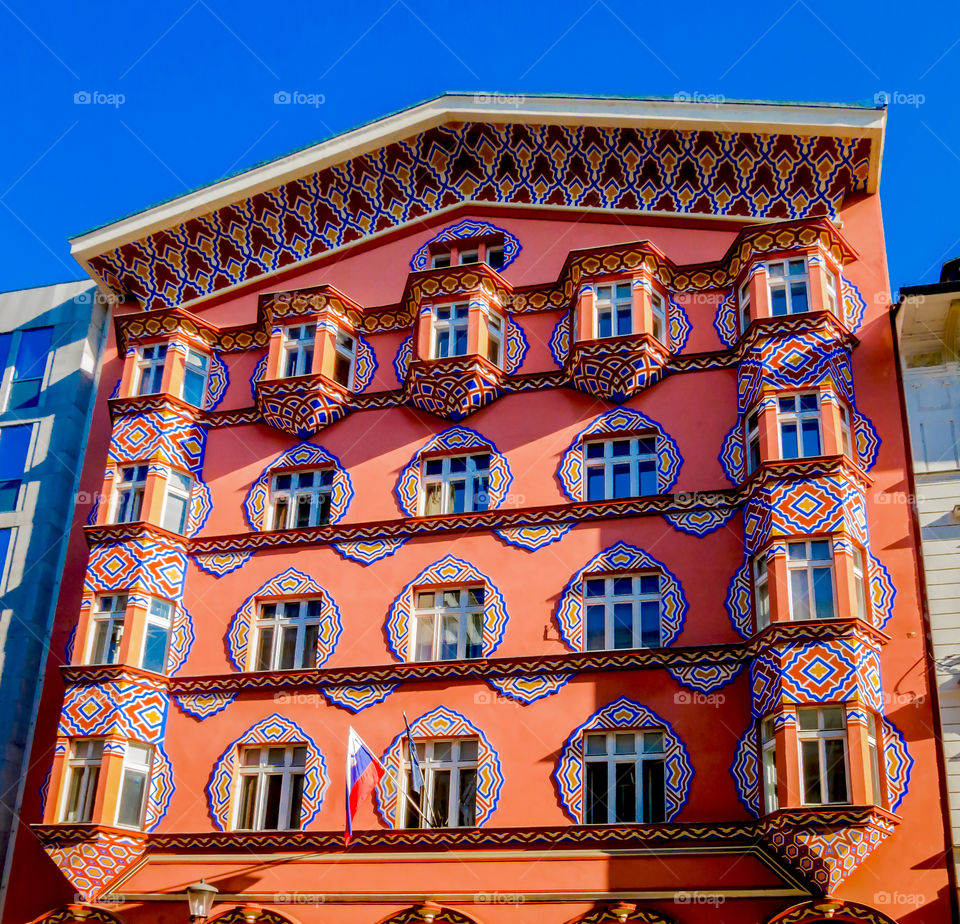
x,y
568,432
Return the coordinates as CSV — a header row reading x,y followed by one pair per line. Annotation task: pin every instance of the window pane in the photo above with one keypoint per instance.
x,y
621,480
25,394
778,301
310,635
450,636
296,801
424,644
595,487
650,624
596,793
288,648
271,814
441,798
648,477
811,437
474,647
14,444
155,648
788,440
132,793
810,757
836,770
595,628
467,809
799,594
823,592
625,784
265,649
32,353
459,495
175,513
432,500
798,297
654,792
623,625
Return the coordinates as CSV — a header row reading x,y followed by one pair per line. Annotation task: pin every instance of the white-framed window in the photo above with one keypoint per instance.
x,y
860,585
448,797
151,360
298,344
614,310
441,260
270,785
300,499
83,774
196,370
822,735
156,636
622,611
833,303
744,302
287,632
760,570
176,501
450,327
799,417
810,570
456,484
469,256
106,629
753,442
494,257
624,778
134,785
788,287
768,760
846,439
128,494
495,338
621,468
448,624
658,308
344,359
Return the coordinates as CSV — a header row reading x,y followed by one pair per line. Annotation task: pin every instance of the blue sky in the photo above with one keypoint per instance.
x,y
183,92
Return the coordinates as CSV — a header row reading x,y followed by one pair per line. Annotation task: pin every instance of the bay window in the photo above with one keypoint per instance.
x,y
156,635
614,310
150,363
450,327
344,359
298,345
788,287
196,369
176,501
495,339
659,311
134,785
822,736
810,571
799,418
129,492
106,630
82,777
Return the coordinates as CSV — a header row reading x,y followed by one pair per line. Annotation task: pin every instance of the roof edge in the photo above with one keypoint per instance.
x,y
804,118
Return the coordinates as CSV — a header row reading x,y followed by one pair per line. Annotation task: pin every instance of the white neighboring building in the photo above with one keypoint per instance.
x,y
928,330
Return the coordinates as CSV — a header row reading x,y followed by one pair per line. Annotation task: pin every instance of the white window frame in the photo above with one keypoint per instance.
x,y
447,328
88,769
465,611
430,766
262,771
488,252
752,436
636,598
796,417
768,765
308,615
204,366
175,489
160,615
300,344
496,334
785,281
441,260
612,758
128,495
607,298
743,301
319,495
760,575
877,777
806,565
475,480
474,256
634,457
113,618
658,309
860,584
832,291
847,445
151,357
821,735
134,765
345,347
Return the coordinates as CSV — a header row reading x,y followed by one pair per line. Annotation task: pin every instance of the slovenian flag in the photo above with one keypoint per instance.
x,y
364,771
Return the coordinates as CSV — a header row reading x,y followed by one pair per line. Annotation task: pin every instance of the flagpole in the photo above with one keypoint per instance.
x,y
429,823
400,788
